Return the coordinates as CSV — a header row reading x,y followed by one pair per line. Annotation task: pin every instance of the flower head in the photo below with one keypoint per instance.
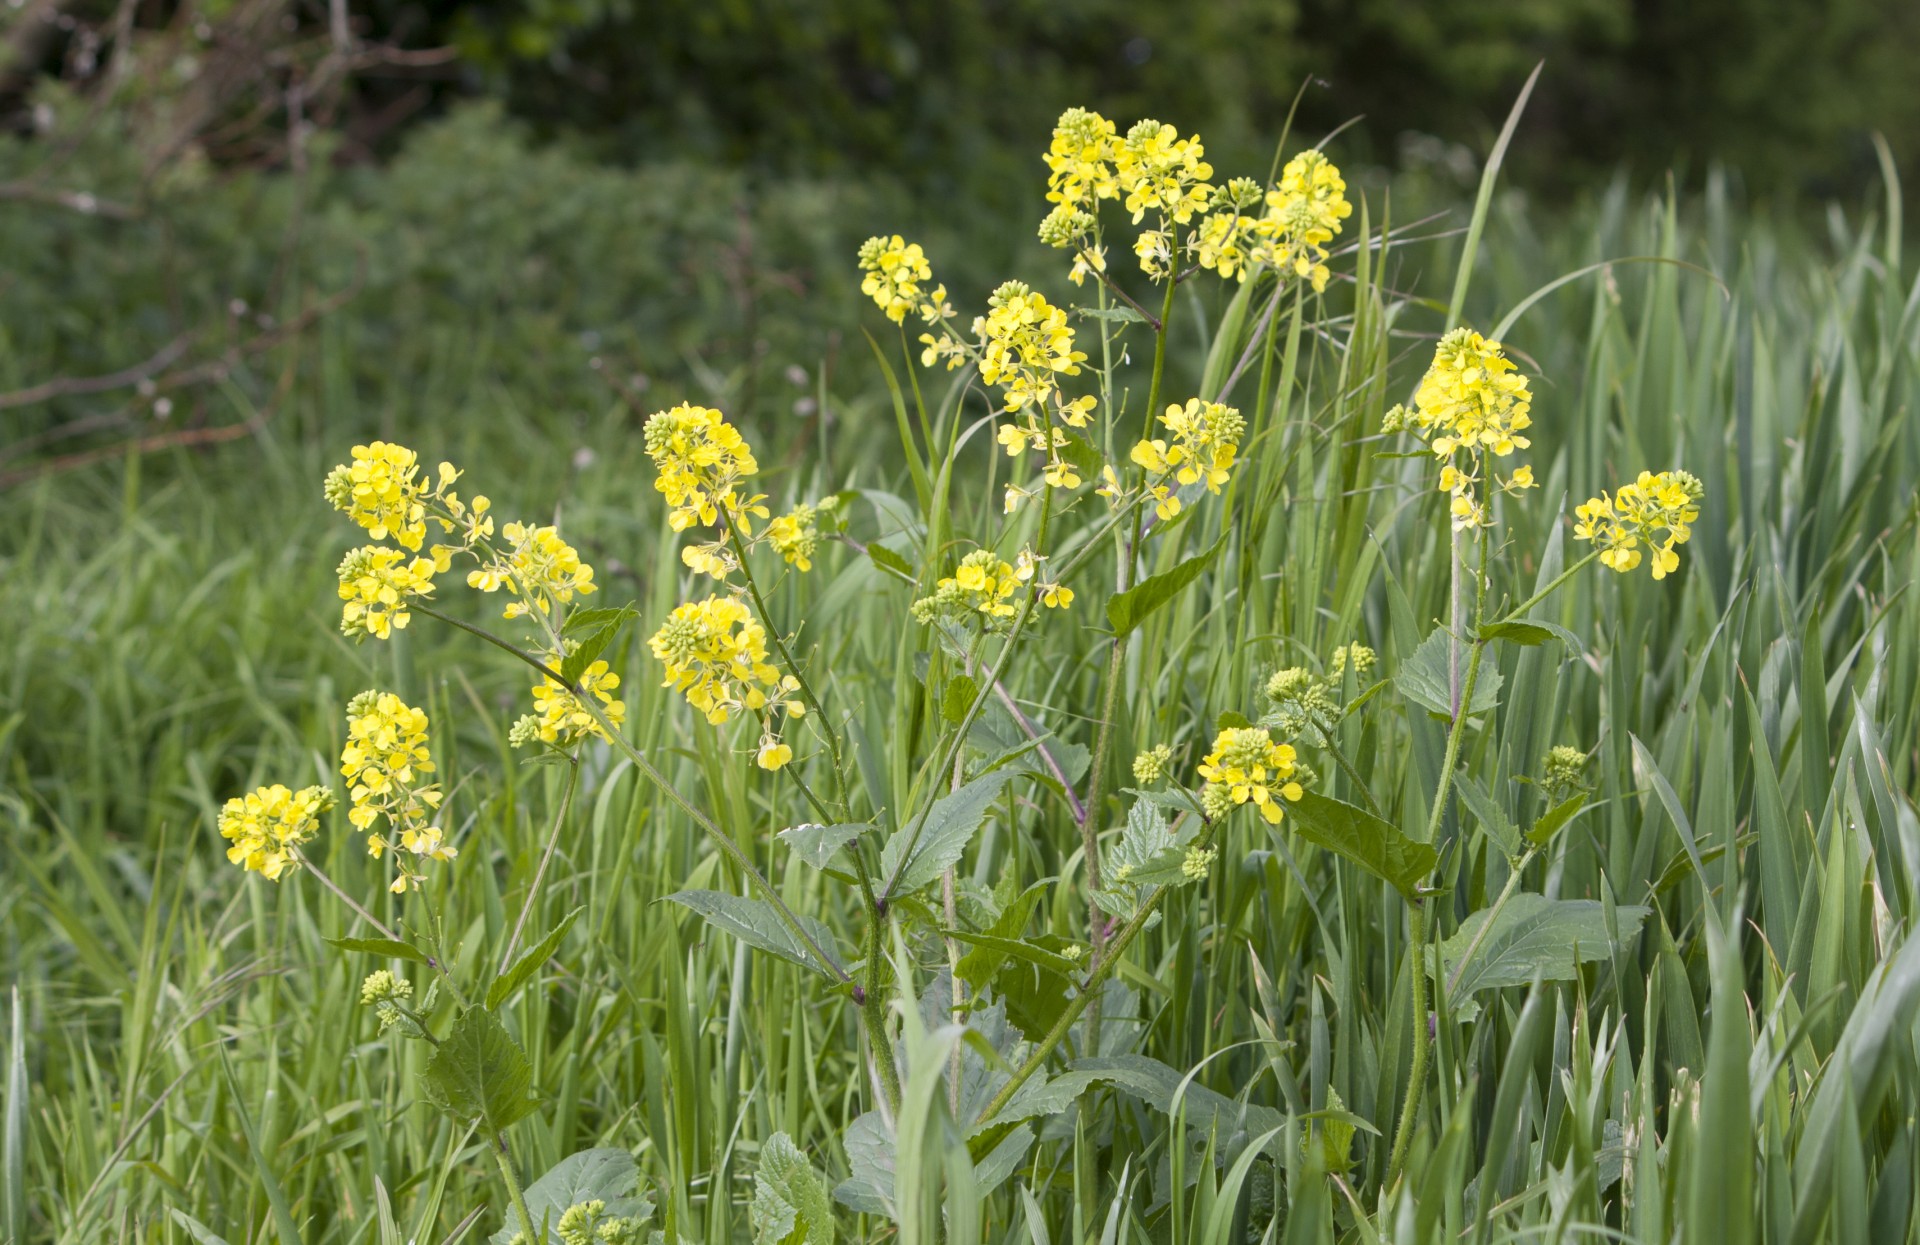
x,y
895,269
1250,767
1303,214
541,569
1158,171
386,763
715,655
1471,403
1566,770
382,492
1026,344
699,457
1080,160
794,536
376,582
1656,509
1151,766
264,827
1205,439
559,715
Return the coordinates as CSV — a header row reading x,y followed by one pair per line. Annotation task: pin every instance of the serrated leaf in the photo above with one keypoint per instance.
x,y
1127,610
382,946
1422,678
1489,814
593,642
868,1187
914,857
1366,840
478,1074
790,1204
1530,633
1041,1096
1534,934
1231,721
891,562
602,1174
757,923
527,965
1559,815
1233,1124
579,622
816,844
1017,948
958,698
978,966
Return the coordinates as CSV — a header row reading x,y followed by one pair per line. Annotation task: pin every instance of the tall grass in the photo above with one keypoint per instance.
x,y
181,1066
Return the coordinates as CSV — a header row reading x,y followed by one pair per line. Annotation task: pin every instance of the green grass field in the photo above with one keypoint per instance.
x,y
1720,1047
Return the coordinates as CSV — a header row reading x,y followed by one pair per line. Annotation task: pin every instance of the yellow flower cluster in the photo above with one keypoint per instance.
x,y
376,583
895,269
699,457
1303,214
795,535
1205,440
1472,401
982,588
1658,509
382,492
1028,568
539,567
384,763
560,718
716,656
1080,160
1158,171
266,826
1025,344
1221,242
1246,765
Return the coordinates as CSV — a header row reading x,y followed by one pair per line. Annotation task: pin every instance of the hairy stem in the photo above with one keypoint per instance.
x,y
504,1158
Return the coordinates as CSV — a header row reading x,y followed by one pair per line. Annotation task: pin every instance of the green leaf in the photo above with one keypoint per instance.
x,y
579,622
978,966
1554,818
816,844
1017,948
1364,839
1534,934
478,1074
1231,721
527,965
598,1175
758,924
958,698
1422,678
891,562
1530,634
382,946
915,857
1488,813
1122,315
868,1188
790,1204
1127,610
594,641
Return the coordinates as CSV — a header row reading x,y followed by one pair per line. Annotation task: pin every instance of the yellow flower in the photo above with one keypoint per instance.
x,y
1205,442
1080,160
542,569
715,655
560,718
1248,766
772,754
385,762
382,492
1658,509
265,826
895,268
1158,171
699,457
794,535
1472,401
1303,214
1025,343
980,587
376,587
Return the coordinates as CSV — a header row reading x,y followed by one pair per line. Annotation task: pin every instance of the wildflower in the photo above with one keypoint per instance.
x,y
1566,772
1151,766
1197,861
542,570
384,762
1658,509
560,716
1303,704
773,754
1249,766
1025,345
699,457
1215,802
380,490
1303,214
376,586
1080,160
715,655
895,268
1470,403
794,535
1359,656
981,587
382,986
1206,438
1159,171
266,827
1052,595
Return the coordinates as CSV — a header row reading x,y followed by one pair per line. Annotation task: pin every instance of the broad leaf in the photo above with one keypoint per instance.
x,y
593,640
1492,818
790,1204
1423,680
478,1074
978,966
382,946
1534,934
757,923
921,851
1127,610
958,698
816,844
1530,633
527,965
890,562
1554,818
1233,1124
868,1187
1361,837
599,1175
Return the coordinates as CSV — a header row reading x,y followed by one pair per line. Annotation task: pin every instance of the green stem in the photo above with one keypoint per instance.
x,y
1519,611
505,1159
1493,914
873,1014
546,858
1422,1040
